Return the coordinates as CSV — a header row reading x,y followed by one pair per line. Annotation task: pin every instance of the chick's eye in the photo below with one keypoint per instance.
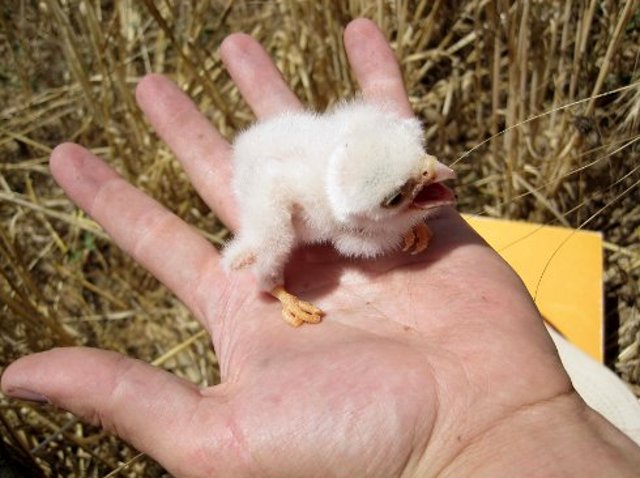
x,y
393,200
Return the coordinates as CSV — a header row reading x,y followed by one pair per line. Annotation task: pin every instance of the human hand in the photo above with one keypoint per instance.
x,y
423,366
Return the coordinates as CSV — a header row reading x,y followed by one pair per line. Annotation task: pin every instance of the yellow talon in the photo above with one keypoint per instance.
x,y
409,239
296,311
417,238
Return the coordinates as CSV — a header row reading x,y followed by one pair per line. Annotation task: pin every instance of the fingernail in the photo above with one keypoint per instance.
x,y
23,394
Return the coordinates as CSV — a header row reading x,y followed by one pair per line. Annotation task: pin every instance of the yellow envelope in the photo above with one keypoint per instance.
x,y
563,270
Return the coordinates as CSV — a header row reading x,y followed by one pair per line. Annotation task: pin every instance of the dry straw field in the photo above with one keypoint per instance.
x,y
554,84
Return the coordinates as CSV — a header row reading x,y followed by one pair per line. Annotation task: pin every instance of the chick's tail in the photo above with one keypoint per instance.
x,y
238,255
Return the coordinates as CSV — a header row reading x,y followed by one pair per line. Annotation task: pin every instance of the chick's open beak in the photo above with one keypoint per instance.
x,y
429,191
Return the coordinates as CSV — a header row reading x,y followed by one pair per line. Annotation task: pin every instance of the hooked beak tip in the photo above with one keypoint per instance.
x,y
442,173
436,172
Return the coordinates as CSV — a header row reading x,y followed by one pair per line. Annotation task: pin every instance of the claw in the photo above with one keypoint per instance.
x,y
296,311
409,240
417,238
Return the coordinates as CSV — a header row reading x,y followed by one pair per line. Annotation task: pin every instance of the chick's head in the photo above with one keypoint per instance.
x,y
380,170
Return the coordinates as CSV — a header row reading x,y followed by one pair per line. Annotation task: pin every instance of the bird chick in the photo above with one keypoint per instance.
x,y
357,177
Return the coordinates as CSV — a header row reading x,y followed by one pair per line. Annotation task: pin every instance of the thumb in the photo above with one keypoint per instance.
x,y
156,412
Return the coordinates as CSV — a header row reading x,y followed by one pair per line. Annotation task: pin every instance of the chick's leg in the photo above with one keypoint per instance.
x,y
294,310
266,240
417,239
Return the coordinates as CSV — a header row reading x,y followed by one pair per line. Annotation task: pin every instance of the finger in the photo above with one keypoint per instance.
x,y
199,147
375,65
256,76
153,410
160,241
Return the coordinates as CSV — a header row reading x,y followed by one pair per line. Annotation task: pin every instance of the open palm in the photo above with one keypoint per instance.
x,y
418,359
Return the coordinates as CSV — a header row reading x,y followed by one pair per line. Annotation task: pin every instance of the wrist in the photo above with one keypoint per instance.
x,y
561,437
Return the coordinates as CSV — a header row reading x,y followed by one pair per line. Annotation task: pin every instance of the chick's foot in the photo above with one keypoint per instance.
x,y
417,239
296,311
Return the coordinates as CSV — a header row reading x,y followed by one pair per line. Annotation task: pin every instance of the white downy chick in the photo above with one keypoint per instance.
x,y
357,177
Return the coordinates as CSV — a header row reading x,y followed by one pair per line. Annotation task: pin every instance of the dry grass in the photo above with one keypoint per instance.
x,y
473,69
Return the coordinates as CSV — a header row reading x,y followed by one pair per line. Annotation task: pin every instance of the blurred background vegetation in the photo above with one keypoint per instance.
x,y
473,69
